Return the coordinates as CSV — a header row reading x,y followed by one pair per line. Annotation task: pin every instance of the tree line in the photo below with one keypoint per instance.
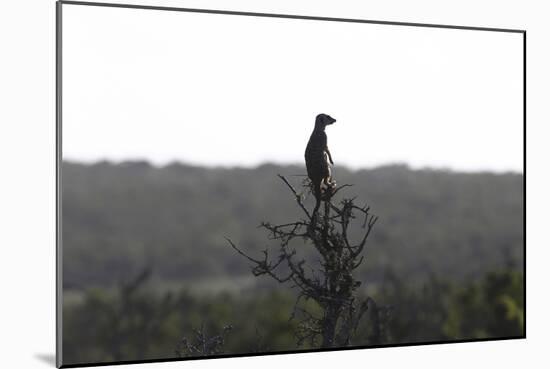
x,y
120,218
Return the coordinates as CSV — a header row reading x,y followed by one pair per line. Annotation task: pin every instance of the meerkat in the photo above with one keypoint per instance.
x,y
319,159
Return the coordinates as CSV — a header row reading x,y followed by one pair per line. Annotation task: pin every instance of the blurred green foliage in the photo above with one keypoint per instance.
x,y
491,307
138,323
440,310
143,324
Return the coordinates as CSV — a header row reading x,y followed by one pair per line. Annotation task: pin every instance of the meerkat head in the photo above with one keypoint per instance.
x,y
323,120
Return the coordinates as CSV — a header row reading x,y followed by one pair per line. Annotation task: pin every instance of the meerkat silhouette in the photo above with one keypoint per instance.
x,y
319,159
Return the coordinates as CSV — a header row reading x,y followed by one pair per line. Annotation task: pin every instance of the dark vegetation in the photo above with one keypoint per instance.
x,y
445,261
139,324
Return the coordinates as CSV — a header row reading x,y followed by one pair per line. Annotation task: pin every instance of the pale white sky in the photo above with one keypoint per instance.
x,y
230,90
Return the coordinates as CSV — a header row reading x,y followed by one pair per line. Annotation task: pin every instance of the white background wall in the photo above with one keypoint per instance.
x,y
27,188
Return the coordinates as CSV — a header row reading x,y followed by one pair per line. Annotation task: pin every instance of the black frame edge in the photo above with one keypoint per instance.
x,y
525,184
287,16
58,198
291,352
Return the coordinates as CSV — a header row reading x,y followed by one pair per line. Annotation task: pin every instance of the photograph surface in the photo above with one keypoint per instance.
x,y
238,185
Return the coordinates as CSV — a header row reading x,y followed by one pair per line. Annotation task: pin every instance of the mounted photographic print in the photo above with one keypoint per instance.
x,y
235,183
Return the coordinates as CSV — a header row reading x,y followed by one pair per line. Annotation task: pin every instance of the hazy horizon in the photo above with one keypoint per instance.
x,y
281,164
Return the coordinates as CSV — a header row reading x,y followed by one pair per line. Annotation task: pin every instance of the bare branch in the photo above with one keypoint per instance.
x,y
340,187
334,289
298,197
